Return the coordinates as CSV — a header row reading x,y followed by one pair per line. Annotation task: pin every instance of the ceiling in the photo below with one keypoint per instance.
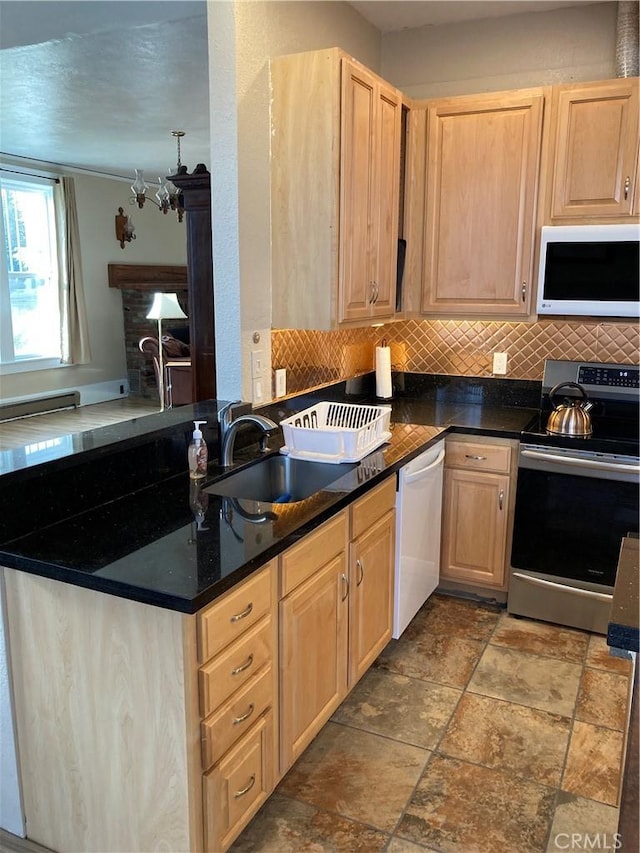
x,y
101,85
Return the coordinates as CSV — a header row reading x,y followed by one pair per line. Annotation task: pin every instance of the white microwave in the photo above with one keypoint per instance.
x,y
590,270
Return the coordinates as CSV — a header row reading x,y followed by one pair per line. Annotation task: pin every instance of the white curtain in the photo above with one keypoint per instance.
x,y
74,327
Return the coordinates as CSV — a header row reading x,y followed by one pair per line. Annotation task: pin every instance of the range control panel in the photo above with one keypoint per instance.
x,y
609,377
600,381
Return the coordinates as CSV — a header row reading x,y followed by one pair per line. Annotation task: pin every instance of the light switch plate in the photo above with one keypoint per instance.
x,y
500,363
257,364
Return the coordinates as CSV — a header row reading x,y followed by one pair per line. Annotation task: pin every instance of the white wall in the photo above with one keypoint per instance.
x,y
252,32
159,240
511,52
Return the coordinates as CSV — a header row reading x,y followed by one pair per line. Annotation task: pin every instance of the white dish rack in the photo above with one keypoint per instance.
x,y
336,432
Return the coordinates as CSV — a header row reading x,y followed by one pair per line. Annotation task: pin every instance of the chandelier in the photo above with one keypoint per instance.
x,y
168,197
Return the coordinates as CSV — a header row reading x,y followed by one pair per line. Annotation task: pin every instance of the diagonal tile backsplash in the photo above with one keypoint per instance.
x,y
454,347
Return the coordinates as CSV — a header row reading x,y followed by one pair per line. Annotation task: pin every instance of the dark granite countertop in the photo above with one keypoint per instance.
x,y
167,543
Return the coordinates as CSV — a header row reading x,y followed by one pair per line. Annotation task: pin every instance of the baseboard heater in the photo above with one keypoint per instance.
x,y
36,406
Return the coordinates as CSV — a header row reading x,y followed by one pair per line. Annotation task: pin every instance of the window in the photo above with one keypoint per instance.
x,y
30,318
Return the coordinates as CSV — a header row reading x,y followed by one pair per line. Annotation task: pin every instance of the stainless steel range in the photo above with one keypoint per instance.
x,y
576,497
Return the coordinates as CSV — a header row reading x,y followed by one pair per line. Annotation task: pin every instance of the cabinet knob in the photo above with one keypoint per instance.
x,y
627,186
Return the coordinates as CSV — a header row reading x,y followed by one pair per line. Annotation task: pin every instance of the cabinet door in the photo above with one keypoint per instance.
x,y
386,202
596,150
482,174
474,531
371,595
357,186
370,186
313,657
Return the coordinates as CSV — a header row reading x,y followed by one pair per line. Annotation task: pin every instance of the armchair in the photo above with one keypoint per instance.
x,y
177,368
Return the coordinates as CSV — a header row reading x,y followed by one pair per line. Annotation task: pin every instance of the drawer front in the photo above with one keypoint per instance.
x,y
372,506
478,457
230,616
228,671
234,789
313,552
223,728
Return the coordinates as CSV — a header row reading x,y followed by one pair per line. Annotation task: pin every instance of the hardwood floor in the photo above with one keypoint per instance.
x,y
34,428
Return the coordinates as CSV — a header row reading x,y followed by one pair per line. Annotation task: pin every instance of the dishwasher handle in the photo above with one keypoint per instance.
x,y
421,472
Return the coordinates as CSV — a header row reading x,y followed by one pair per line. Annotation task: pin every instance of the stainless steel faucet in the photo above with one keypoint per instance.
x,y
229,429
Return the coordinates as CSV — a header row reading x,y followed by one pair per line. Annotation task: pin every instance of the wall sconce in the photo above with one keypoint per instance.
x,y
168,196
165,306
124,228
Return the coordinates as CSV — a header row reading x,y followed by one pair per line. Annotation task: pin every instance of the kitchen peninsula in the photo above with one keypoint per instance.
x,y
113,750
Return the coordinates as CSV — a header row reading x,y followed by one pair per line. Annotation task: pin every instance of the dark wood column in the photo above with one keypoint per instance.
x,y
196,193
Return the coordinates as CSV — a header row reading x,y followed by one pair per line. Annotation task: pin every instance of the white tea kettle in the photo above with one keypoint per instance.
x,y
571,417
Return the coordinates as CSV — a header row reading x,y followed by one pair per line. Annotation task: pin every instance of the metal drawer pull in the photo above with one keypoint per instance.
x,y
360,573
570,590
345,581
243,666
244,716
627,186
501,498
246,790
245,612
478,458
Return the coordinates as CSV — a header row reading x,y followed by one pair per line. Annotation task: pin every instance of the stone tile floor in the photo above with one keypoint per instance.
x,y
476,732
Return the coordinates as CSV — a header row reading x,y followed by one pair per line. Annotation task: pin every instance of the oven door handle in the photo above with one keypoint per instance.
x,y
592,464
585,593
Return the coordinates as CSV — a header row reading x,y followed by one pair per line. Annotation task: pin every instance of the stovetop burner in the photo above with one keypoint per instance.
x,y
614,391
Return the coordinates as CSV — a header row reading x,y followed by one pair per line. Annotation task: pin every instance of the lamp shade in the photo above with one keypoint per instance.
x,y
165,307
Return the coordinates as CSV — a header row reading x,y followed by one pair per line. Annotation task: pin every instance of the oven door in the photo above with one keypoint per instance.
x,y
573,508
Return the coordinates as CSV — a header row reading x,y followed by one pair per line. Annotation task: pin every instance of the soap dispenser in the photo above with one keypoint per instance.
x,y
198,453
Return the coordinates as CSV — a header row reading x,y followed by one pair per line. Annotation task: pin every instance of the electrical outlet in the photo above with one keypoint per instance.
x,y
257,364
500,363
281,382
258,394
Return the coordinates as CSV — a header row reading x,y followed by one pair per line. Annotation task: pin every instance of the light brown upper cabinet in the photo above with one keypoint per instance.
x,y
483,156
335,181
595,150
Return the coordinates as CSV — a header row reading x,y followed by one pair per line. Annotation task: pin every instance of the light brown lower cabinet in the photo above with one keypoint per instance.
x,y
477,513
337,618
141,728
371,594
238,785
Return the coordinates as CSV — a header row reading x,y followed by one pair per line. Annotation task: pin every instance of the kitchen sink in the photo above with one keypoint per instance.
x,y
279,479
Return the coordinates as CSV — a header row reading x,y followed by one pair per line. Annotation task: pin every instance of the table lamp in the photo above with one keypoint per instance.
x,y
164,307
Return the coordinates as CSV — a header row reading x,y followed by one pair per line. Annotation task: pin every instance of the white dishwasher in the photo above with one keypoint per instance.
x,y
418,519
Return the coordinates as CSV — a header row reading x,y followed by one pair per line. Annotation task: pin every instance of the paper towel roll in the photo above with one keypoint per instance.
x,y
383,372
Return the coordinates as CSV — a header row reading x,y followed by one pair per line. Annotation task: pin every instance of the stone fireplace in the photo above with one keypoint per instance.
x,y
137,284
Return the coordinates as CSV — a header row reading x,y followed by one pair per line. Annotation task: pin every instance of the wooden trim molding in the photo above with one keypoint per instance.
x,y
147,276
